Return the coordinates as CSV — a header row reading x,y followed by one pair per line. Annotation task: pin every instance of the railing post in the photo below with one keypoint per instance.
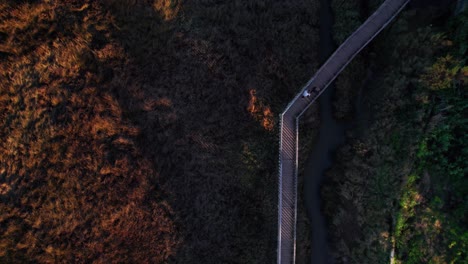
x,y
343,60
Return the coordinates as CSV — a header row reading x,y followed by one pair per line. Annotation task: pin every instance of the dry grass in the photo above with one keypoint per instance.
x,y
126,129
74,185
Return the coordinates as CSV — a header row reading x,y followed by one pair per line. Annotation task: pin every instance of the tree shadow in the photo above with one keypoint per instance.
x,y
195,84
185,81
193,120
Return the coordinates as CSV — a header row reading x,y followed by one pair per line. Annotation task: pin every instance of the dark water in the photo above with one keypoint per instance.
x,y
331,135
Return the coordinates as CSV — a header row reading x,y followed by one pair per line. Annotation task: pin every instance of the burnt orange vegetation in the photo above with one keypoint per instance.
x,y
76,186
260,112
126,135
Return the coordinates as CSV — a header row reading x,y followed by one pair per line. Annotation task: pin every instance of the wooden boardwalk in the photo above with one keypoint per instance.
x,y
288,155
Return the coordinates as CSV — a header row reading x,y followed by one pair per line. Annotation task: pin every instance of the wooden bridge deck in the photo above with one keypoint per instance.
x,y
288,156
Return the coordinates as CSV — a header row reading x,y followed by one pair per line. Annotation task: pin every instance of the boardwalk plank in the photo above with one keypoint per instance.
x,y
287,196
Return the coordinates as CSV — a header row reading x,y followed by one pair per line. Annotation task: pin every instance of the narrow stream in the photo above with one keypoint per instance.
x,y
331,135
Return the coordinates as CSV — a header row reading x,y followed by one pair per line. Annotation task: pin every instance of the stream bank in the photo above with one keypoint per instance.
x,y
330,136
361,192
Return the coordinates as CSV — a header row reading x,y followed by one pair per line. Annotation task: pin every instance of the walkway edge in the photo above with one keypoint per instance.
x,y
289,121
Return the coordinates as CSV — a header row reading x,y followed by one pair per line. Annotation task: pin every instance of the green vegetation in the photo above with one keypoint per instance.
x,y
351,16
145,131
442,74
431,223
401,178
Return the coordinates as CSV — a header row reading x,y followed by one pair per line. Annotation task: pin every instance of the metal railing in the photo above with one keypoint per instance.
x,y
298,106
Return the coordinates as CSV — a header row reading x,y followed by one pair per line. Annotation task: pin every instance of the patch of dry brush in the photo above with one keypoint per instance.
x,y
76,187
127,132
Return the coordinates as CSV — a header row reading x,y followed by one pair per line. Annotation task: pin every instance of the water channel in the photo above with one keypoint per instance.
x,y
330,136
